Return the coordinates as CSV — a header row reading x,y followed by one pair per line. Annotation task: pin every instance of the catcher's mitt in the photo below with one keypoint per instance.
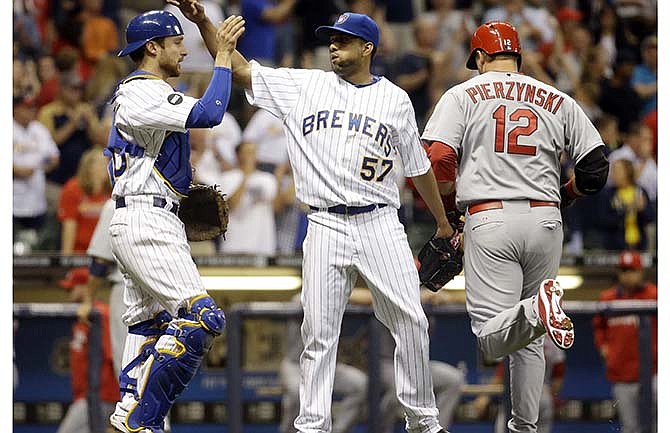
x,y
440,261
204,212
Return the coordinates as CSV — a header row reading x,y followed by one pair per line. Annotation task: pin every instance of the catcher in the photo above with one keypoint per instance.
x,y
171,319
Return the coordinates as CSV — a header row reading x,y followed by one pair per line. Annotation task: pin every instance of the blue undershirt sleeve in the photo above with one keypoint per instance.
x,y
209,109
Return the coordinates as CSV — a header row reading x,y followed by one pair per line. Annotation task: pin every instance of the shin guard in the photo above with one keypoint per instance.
x,y
174,361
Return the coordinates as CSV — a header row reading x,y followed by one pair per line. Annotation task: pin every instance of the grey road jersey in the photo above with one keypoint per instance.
x,y
509,130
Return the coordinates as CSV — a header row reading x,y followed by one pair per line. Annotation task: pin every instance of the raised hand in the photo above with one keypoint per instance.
x,y
193,10
229,32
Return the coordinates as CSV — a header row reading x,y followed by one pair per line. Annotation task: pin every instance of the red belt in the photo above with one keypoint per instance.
x,y
497,204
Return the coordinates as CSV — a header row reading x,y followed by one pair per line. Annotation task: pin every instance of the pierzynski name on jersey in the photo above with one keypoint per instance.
x,y
357,122
514,91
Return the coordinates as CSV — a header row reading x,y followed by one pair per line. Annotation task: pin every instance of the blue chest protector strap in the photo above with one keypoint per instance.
x,y
172,164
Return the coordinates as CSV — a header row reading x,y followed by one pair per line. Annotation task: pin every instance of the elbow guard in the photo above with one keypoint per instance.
x,y
591,172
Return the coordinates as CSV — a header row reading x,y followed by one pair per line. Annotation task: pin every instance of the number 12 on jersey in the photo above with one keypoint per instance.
x,y
513,147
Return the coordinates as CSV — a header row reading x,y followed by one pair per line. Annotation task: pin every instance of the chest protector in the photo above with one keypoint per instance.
x,y
173,163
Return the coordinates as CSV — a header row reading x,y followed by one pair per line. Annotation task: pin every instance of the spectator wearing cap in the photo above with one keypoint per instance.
x,y
645,76
616,338
76,418
72,123
34,154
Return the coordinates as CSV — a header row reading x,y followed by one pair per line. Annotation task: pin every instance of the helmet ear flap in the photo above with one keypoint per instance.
x,y
472,60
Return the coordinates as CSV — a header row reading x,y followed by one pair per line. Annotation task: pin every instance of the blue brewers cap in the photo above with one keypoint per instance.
x,y
359,25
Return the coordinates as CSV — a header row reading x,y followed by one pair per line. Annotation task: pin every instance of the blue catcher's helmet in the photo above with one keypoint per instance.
x,y
148,26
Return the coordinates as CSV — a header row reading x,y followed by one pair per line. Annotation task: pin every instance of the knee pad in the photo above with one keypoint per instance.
x,y
175,359
203,309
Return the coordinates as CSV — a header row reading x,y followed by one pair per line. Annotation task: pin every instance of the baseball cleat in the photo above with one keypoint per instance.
x,y
558,325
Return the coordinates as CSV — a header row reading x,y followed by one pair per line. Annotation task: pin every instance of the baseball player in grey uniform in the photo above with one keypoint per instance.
x,y
103,268
344,129
171,320
508,131
350,382
553,380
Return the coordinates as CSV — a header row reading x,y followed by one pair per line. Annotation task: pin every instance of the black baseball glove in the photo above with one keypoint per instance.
x,y
204,212
456,220
440,261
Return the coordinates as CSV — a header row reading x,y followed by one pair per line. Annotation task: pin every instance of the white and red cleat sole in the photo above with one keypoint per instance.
x,y
558,325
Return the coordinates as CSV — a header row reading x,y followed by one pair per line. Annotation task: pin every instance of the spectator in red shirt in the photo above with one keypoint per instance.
x,y
617,340
651,120
47,72
81,202
76,418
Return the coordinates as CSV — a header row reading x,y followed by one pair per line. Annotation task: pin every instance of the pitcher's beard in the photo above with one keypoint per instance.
x,y
343,68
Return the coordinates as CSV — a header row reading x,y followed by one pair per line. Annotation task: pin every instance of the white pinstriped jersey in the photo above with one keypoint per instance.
x,y
100,245
509,131
145,111
342,139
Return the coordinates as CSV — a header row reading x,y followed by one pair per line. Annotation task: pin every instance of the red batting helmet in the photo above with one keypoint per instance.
x,y
494,37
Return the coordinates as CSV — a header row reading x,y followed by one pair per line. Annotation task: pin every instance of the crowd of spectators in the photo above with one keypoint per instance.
x,y
603,53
